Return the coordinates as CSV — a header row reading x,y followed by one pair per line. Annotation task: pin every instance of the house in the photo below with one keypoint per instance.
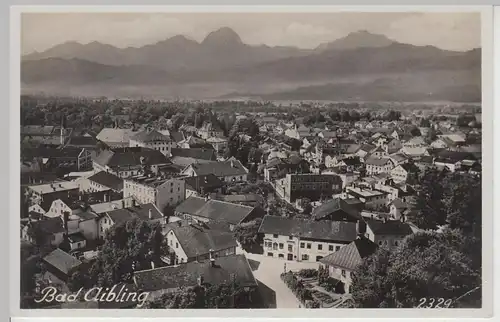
x,y
209,210
152,139
115,137
162,191
201,185
229,171
102,181
389,233
378,165
337,210
397,208
407,172
46,193
218,143
399,158
186,157
415,142
452,159
370,197
312,186
379,152
146,212
226,270
60,158
45,231
192,142
209,129
126,162
304,240
342,264
61,264
195,242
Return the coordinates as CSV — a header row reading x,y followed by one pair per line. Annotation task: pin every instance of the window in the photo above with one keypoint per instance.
x,y
330,248
176,245
343,273
171,243
305,257
290,248
270,254
337,248
395,243
172,190
290,237
275,235
308,245
302,245
380,242
281,246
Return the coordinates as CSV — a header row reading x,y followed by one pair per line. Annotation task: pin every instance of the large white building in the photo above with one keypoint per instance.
x,y
162,191
152,139
304,240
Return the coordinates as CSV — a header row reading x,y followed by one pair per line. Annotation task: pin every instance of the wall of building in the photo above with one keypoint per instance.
x,y
174,245
89,229
384,240
171,193
165,147
57,209
302,250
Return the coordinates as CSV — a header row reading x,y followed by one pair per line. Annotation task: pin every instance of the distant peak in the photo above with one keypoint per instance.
x,y
222,36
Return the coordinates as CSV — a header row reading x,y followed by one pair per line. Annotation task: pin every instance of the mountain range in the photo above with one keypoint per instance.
x,y
222,65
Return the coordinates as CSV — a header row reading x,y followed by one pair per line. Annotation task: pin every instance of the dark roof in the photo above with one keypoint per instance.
x,y
350,256
323,230
108,180
391,227
49,225
51,152
453,156
410,167
399,204
62,261
215,210
335,205
124,157
209,181
83,141
195,153
197,240
252,197
191,205
220,169
139,211
149,136
186,275
76,237
177,136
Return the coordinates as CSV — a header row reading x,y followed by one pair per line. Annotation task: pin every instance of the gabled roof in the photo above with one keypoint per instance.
x,y
335,205
48,226
378,161
191,205
227,269
209,181
124,157
215,210
340,231
108,180
62,261
114,135
196,240
350,256
141,212
220,169
391,227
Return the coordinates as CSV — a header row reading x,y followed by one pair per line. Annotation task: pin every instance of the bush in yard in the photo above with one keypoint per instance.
x,y
308,273
329,284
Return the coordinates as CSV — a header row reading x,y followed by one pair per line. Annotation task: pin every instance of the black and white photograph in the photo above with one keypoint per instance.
x,y
252,160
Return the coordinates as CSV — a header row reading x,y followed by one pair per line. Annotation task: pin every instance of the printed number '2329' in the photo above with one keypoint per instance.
x,y
434,303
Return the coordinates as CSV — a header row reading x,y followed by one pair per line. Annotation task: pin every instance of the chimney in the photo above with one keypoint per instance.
x,y
360,228
152,265
150,214
385,219
105,198
232,163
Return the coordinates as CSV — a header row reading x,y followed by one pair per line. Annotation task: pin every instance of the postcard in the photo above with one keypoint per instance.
x,y
252,161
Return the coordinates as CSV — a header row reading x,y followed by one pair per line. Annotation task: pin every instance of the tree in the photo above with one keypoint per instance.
x,y
429,208
425,122
426,264
305,204
129,246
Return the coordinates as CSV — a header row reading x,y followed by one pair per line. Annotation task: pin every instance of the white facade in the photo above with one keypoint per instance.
x,y
295,248
164,146
372,169
171,192
384,240
399,174
174,245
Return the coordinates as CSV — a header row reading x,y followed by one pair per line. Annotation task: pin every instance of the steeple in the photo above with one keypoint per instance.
x,y
62,130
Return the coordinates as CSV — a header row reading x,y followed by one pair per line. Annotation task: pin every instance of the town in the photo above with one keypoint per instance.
x,y
250,204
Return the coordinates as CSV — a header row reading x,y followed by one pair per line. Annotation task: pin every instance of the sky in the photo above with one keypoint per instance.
x,y
452,31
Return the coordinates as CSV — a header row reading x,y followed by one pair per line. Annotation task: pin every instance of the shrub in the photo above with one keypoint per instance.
x,y
308,273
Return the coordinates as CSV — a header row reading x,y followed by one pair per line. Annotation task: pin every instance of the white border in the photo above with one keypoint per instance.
x,y
487,112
